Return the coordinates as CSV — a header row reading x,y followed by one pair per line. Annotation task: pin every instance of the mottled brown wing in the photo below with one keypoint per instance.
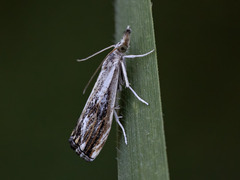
x,y
94,124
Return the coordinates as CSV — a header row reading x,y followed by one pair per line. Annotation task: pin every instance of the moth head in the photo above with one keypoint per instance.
x,y
124,43
122,48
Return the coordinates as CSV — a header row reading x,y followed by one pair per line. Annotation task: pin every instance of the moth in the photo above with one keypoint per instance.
x,y
94,124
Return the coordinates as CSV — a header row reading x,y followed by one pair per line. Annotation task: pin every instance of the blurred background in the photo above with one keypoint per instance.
x,y
42,84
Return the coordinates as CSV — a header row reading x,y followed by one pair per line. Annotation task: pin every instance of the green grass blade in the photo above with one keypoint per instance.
x,y
145,155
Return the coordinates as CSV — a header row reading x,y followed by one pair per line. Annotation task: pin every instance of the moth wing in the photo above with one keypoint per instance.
x,y
94,124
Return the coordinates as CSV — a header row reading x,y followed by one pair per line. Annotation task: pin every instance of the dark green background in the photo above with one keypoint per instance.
x,y
41,86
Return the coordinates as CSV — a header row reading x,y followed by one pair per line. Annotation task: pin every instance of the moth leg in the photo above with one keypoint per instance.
x,y
140,55
117,107
121,126
127,83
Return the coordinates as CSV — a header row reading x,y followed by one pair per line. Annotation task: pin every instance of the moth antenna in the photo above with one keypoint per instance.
x,y
92,76
80,60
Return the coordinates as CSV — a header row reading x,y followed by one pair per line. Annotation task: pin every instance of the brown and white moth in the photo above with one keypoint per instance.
x,y
94,124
